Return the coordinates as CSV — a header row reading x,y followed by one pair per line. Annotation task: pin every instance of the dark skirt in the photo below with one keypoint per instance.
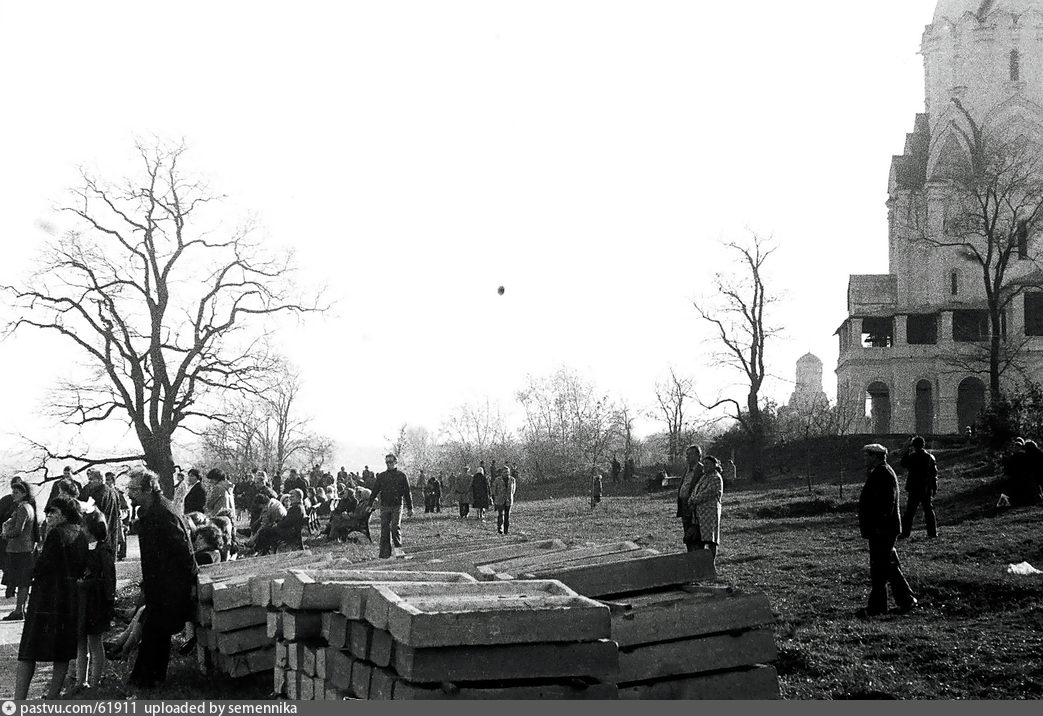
x,y
18,572
51,622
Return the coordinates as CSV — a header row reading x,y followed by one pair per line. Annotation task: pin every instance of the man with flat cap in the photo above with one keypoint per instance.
x,y
391,488
881,523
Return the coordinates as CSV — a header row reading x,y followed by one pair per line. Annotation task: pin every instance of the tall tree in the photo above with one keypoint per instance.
x,y
156,298
671,395
991,211
741,332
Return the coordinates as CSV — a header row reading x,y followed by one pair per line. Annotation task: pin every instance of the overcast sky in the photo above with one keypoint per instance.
x,y
588,156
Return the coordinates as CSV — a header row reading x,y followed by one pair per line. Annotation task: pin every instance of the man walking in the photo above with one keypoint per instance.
x,y
168,572
921,484
391,489
503,498
881,523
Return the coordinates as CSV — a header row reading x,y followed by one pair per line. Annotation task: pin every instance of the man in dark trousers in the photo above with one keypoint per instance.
x,y
921,484
881,523
391,488
107,502
168,572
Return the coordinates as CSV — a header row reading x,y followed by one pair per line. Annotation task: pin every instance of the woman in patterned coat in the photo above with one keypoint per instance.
x,y
705,503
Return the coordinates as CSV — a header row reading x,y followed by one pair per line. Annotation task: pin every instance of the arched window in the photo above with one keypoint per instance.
x,y
1015,65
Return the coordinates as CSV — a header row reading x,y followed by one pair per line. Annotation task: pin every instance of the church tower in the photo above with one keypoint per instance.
x,y
909,347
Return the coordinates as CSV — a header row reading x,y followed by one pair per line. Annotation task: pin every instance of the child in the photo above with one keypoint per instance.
x,y
595,491
97,600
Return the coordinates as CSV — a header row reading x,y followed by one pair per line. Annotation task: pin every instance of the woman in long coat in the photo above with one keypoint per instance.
x,y
480,492
50,632
21,533
706,504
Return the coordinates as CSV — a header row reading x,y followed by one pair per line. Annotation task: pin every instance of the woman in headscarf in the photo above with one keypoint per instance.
x,y
21,532
706,505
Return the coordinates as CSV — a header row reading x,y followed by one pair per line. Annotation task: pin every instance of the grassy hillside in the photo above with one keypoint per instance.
x,y
977,634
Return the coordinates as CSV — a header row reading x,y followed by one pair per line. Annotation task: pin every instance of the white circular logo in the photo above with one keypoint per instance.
x,y
9,708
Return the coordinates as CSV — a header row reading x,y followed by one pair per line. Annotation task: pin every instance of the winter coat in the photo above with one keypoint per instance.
x,y
503,491
705,505
923,473
222,497
462,488
168,571
51,619
480,490
684,490
878,514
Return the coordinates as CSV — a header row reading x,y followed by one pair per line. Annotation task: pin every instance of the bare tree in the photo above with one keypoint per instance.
x,y
993,207
741,330
155,298
671,395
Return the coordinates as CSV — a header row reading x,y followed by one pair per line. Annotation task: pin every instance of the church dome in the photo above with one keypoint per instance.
x,y
955,9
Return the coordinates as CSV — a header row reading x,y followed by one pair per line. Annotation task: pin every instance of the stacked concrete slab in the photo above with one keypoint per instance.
x,y
454,640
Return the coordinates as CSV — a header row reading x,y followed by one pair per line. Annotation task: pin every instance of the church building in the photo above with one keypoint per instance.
x,y
911,347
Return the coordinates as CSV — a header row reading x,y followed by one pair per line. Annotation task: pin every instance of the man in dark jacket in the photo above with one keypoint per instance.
x,y
107,502
881,523
168,573
391,488
921,484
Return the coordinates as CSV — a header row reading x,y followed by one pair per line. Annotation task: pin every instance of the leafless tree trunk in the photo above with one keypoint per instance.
x,y
739,322
155,298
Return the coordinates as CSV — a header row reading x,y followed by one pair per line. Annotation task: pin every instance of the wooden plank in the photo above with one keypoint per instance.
x,y
338,669
465,621
377,612
233,642
634,575
380,647
693,656
682,613
756,683
406,690
359,635
361,672
532,563
274,624
240,618
504,662
322,589
297,626
308,659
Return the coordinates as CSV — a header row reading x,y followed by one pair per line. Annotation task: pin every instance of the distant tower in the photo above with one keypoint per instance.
x,y
808,391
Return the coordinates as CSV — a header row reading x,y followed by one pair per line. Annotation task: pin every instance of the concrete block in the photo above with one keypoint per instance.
x,y
685,612
293,685
599,659
361,672
382,684
469,620
338,670
539,562
306,691
279,680
281,657
322,589
308,659
359,635
274,624
756,683
335,629
240,618
693,656
250,662
276,588
233,642
634,575
376,612
380,647
231,595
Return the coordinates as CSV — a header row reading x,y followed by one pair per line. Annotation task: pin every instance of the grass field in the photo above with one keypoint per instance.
x,y
978,633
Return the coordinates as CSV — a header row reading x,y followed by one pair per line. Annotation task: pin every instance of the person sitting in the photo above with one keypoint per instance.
x,y
351,515
229,545
207,544
288,529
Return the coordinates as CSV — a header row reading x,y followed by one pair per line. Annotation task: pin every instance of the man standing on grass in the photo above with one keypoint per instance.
x,y
881,523
920,487
391,489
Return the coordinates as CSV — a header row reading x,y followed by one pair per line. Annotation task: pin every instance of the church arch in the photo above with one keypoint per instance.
x,y
924,407
878,407
970,401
